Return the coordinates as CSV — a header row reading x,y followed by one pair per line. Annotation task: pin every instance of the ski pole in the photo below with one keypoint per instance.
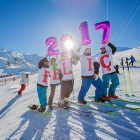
x,y
72,79
124,76
129,76
60,102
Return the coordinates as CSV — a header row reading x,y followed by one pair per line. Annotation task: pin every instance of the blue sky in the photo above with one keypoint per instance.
x,y
26,24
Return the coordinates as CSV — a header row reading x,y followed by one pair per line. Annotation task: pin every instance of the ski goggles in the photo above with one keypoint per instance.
x,y
102,48
45,63
87,50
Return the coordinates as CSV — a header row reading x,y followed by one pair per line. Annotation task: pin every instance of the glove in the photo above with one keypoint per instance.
x,y
95,76
60,76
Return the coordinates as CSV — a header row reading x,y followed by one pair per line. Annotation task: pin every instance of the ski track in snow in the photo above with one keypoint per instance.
x,y
17,122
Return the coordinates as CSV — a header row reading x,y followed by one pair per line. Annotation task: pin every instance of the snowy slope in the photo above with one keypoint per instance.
x,y
18,122
12,62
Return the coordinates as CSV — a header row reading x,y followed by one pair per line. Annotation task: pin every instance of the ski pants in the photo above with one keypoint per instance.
x,y
86,83
115,82
53,87
23,86
42,95
131,62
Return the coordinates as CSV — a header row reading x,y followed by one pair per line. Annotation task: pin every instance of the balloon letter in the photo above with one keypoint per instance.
x,y
51,50
106,27
85,34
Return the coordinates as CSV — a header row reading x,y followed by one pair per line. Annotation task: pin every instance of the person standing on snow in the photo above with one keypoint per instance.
x,y
89,75
132,60
23,82
108,70
66,77
54,79
42,83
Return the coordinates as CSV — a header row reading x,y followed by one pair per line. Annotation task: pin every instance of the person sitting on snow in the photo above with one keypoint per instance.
x,y
54,79
66,77
23,82
42,83
89,75
108,70
132,60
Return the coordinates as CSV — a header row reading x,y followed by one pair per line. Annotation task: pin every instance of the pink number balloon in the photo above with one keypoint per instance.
x,y
106,27
63,38
85,34
51,50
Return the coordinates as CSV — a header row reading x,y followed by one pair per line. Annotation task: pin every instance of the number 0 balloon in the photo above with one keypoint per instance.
x,y
106,27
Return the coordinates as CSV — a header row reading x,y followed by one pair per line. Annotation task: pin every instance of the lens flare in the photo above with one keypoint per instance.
x,y
68,44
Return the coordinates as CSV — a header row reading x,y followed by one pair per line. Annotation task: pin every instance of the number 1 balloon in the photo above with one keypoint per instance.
x,y
85,34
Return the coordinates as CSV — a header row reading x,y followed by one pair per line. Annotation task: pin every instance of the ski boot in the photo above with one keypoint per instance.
x,y
106,98
33,107
100,100
42,109
112,96
64,103
82,102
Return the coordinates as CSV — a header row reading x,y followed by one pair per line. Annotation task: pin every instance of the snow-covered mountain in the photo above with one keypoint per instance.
x,y
12,62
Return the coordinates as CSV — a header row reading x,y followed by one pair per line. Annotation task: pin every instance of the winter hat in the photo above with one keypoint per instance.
x,y
102,46
87,47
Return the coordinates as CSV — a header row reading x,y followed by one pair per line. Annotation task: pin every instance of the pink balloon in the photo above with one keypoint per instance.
x,y
51,50
63,38
85,34
106,27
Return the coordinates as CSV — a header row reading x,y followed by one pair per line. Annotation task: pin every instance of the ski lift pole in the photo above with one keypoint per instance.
x,y
129,77
124,76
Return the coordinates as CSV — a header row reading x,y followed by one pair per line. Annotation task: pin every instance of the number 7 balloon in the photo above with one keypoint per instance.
x,y
106,27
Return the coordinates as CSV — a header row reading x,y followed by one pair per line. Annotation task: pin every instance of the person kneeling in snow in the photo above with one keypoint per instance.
x,y
42,83
108,70
66,77
89,75
23,82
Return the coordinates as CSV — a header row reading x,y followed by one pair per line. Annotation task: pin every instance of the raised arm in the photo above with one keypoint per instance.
x,y
112,47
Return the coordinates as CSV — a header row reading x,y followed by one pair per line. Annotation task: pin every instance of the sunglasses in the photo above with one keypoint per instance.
x,y
88,50
102,48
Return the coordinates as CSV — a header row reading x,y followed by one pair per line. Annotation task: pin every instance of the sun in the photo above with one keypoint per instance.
x,y
68,44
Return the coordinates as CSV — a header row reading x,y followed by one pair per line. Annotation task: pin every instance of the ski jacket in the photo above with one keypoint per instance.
x,y
54,77
24,80
65,68
44,72
106,60
132,59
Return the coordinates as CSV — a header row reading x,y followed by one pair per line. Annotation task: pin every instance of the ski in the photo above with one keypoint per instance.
x,y
74,112
110,112
122,100
35,109
72,107
119,99
110,103
89,111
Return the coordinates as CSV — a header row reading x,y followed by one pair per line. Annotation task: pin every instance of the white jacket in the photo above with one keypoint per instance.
x,y
24,80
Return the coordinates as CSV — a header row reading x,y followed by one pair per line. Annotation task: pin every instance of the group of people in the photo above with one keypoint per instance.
x,y
62,72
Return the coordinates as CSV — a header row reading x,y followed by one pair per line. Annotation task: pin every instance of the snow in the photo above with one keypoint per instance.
x,y
18,122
